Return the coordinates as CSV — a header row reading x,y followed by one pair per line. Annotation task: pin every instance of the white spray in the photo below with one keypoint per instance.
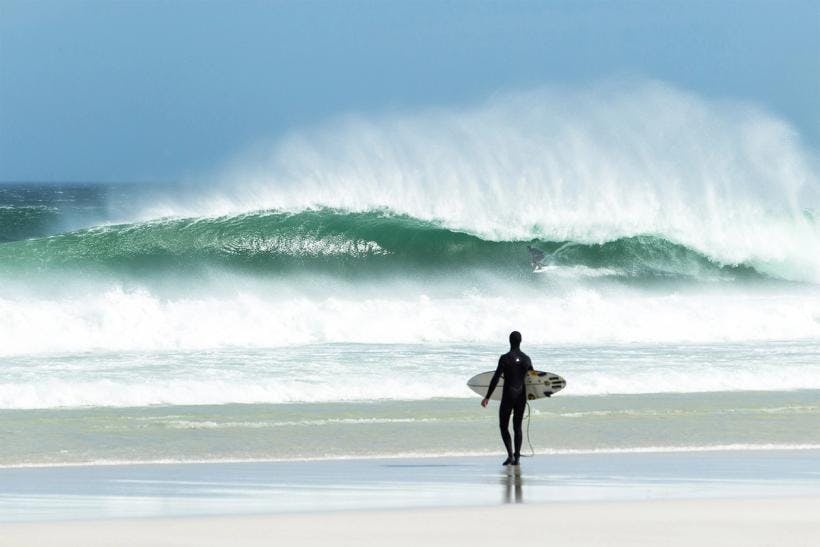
x,y
723,178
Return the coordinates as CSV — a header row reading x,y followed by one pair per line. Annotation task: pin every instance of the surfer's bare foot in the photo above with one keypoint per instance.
x,y
515,460
508,461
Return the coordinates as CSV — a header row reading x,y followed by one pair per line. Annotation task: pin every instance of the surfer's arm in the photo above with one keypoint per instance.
x,y
494,382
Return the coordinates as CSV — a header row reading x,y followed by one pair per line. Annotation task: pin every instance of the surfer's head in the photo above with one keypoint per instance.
x,y
515,339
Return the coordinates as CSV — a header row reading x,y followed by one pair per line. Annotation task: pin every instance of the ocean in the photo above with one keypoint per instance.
x,y
174,323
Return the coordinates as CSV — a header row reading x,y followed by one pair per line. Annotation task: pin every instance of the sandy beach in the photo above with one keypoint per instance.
x,y
792,521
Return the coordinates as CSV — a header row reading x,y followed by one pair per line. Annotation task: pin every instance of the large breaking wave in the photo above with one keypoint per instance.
x,y
339,243
723,179
665,217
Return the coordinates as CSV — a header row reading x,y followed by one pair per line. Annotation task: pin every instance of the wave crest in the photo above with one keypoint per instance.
x,y
338,243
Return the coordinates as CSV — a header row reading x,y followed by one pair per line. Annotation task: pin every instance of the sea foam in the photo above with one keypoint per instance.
x,y
118,319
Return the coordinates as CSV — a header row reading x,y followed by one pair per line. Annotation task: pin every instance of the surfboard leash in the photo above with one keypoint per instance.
x,y
532,450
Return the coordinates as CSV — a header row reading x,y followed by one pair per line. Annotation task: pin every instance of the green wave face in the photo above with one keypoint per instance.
x,y
341,244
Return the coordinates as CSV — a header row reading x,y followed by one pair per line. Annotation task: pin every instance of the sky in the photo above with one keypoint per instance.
x,y
131,91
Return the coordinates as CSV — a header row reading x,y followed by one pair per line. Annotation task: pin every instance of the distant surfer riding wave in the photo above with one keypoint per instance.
x,y
536,258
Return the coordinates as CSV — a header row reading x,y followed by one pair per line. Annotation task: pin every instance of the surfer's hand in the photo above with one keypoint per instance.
x,y
485,402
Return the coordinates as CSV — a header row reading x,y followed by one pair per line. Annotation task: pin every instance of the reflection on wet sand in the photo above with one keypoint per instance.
x,y
512,481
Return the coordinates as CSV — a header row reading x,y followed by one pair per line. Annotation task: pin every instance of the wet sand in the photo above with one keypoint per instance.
x,y
769,497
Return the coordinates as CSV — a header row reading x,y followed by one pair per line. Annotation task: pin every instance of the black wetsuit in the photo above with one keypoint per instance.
x,y
536,256
514,366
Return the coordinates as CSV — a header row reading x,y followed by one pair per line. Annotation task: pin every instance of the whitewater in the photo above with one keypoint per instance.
x,y
351,276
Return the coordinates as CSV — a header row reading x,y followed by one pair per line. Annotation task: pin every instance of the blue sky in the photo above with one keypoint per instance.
x,y
157,91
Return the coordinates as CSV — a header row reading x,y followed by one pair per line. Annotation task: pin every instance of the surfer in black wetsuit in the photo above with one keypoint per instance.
x,y
514,365
536,257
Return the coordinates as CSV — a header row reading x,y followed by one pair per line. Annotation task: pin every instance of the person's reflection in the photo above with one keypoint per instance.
x,y
511,479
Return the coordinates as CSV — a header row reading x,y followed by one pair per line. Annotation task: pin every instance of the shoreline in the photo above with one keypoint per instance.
x,y
735,447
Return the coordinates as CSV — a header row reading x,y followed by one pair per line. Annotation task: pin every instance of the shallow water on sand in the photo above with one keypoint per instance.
x,y
296,431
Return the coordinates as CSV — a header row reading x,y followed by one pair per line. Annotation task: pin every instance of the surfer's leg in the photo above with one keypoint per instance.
x,y
504,411
518,418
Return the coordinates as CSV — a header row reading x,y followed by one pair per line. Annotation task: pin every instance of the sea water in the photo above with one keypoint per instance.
x,y
333,300
166,341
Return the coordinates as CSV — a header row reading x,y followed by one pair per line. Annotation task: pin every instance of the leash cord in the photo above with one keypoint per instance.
x,y
532,450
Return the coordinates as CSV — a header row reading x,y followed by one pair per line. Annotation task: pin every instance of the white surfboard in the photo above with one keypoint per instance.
x,y
539,384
